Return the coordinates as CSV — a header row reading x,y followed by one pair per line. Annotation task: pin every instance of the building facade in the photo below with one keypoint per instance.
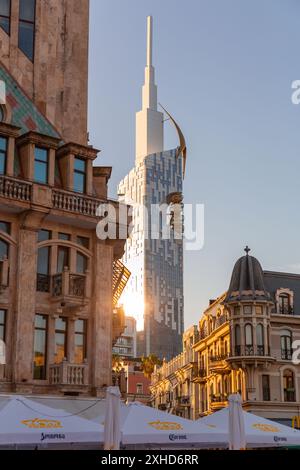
x,y
154,294
134,385
125,345
243,344
58,280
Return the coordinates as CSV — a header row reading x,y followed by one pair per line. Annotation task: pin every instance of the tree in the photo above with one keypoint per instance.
x,y
149,363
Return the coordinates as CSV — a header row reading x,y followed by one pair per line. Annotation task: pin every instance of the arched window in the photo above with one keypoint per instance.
x,y
260,340
237,336
284,304
289,386
248,340
286,345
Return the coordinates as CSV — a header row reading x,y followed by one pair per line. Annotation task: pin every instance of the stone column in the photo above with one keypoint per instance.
x,y
25,306
101,357
71,340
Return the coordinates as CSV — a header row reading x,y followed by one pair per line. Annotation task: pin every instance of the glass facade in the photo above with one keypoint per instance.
x,y
40,347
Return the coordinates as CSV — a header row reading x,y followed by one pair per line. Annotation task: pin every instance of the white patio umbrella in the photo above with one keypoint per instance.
x,y
144,425
260,432
112,424
24,422
236,423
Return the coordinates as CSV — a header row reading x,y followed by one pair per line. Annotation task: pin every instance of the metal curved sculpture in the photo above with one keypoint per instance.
x,y
182,149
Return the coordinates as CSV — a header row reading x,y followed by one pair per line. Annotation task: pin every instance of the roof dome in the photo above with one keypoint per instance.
x,y
247,281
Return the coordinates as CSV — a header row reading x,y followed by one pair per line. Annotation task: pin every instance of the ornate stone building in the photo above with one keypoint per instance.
x,y
58,280
244,343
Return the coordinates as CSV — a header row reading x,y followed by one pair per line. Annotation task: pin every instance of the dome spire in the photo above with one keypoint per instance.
x,y
247,250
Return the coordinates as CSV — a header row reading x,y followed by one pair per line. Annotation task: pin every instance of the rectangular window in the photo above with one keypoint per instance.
x,y
266,387
2,324
62,259
258,310
44,235
5,227
5,9
139,389
40,347
81,263
64,236
27,27
247,310
3,155
83,241
80,341
79,175
60,340
41,165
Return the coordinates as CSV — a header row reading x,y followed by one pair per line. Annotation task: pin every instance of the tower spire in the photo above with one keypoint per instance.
x,y
149,89
149,40
149,121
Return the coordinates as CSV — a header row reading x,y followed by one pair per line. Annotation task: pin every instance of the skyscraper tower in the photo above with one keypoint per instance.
x,y
154,294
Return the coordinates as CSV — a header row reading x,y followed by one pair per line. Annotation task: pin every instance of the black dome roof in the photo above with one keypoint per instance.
x,y
247,281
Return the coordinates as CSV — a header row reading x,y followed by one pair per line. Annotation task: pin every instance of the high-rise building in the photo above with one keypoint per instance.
x,y
125,345
154,294
58,280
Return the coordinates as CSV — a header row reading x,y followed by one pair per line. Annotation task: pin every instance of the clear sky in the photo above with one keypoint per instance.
x,y
224,70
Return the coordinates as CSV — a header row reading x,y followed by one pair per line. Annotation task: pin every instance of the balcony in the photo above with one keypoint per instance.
x,y
66,288
74,202
218,363
250,351
121,276
66,374
286,310
183,401
12,188
218,401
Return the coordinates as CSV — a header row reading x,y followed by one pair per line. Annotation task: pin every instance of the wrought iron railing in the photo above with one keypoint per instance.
x,y
43,283
121,276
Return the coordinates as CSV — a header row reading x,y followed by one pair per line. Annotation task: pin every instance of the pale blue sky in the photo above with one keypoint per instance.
x,y
224,69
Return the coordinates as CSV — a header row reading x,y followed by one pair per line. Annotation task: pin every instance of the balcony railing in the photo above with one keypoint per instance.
x,y
73,202
286,354
43,283
219,398
121,276
286,310
69,374
219,357
249,351
13,188
68,284
183,401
